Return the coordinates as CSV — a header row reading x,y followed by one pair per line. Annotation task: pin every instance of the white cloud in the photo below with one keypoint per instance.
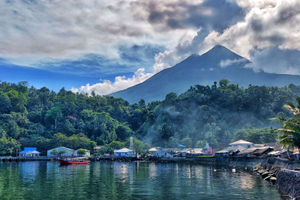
x,y
120,83
228,62
34,31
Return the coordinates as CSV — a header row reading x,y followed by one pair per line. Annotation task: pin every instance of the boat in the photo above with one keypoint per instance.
x,y
76,161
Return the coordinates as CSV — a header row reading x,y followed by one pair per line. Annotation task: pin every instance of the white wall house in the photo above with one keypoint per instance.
x,y
56,152
29,152
124,152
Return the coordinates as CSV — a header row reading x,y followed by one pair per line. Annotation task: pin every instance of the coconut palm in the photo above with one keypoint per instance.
x,y
290,130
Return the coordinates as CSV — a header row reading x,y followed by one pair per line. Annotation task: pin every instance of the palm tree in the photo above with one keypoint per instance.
x,y
290,130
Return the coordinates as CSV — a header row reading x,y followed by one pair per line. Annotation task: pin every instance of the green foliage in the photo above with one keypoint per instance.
x,y
259,136
61,152
54,152
215,114
109,148
73,141
290,131
82,151
5,103
8,146
139,146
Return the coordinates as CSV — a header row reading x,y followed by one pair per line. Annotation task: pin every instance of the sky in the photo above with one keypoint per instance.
x,y
107,46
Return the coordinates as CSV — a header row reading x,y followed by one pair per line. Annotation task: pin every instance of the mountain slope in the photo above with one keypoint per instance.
x,y
214,65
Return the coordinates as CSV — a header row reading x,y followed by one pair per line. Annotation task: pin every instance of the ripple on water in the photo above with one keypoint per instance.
x,y
124,181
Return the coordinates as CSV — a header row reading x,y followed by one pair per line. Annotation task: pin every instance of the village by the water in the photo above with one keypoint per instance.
x,y
274,163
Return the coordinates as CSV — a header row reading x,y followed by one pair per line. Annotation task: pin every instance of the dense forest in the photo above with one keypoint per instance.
x,y
215,114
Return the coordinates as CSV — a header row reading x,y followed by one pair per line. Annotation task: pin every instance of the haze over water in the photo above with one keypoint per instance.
x,y
122,181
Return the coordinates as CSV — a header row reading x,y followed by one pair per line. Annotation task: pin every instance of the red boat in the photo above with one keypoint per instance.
x,y
69,161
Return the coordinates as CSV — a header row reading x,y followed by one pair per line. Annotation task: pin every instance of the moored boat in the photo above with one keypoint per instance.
x,y
70,161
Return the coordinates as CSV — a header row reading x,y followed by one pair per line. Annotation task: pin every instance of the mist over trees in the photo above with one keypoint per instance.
x,y
215,114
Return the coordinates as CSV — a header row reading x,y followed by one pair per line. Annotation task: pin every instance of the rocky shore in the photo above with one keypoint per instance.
x,y
284,174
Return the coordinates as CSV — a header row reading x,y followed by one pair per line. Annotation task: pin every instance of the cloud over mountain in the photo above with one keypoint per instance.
x,y
62,35
120,83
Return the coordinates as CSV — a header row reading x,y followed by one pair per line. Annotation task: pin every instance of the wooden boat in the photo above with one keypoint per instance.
x,y
70,161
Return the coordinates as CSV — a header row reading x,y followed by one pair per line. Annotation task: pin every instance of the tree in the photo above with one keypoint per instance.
x,y
171,97
290,130
109,148
5,103
53,115
82,152
123,132
61,152
8,146
223,83
139,146
264,135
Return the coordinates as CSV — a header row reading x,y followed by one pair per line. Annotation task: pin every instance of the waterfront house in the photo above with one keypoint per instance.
x,y
157,152
256,151
29,152
82,153
179,152
222,153
124,152
194,152
60,152
263,151
274,154
241,144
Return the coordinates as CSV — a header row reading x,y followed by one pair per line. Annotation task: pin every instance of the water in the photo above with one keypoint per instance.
x,y
122,181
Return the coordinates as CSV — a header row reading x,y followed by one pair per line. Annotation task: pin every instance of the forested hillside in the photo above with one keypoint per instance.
x,y
215,114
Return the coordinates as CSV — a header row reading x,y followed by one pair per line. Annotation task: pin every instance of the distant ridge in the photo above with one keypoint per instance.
x,y
216,64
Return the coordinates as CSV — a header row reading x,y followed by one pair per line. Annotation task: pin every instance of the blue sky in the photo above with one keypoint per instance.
x,y
106,46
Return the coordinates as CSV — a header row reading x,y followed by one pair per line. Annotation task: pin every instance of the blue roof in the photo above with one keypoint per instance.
x,y
26,149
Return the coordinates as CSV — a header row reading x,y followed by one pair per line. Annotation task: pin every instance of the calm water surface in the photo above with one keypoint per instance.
x,y
122,181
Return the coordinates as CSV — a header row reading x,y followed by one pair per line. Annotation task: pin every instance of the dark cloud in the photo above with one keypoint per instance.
x,y
288,14
142,55
275,60
211,14
131,58
256,25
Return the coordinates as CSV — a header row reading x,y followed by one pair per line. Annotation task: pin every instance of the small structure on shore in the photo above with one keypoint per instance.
x,y
29,152
124,152
194,152
258,151
157,152
61,152
222,153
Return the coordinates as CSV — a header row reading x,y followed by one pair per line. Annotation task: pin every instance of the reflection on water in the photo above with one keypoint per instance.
x,y
122,181
247,181
29,171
